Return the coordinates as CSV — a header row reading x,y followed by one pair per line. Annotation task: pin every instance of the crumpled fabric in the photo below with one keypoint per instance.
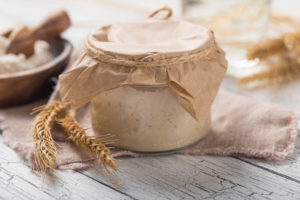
x,y
240,125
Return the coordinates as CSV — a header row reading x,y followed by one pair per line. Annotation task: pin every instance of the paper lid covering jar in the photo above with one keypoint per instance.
x,y
151,82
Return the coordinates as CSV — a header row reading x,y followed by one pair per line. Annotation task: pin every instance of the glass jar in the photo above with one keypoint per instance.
x,y
237,24
151,82
147,119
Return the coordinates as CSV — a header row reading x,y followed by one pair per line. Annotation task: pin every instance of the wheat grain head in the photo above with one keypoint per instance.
x,y
44,143
286,69
271,47
96,147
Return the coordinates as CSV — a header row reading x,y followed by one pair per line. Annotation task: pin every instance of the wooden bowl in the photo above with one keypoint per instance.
x,y
24,86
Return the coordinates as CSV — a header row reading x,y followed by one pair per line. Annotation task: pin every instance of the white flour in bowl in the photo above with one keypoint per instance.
x,y
11,63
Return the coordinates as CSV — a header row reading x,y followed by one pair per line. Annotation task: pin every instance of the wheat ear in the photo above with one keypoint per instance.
x,y
271,47
44,143
283,71
95,147
292,42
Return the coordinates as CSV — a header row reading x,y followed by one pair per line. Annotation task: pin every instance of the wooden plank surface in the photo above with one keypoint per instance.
x,y
203,177
163,177
18,181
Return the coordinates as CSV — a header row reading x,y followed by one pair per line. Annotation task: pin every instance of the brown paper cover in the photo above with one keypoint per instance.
x,y
149,52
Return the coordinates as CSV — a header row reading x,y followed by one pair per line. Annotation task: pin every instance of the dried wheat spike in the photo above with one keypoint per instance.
x,y
44,143
96,147
271,47
283,71
292,41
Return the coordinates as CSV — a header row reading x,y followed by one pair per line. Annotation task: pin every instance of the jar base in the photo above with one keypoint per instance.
x,y
166,152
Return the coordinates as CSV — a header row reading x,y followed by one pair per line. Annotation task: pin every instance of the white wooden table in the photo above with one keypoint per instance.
x,y
164,177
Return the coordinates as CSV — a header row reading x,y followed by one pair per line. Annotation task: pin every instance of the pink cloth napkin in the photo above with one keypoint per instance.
x,y
239,126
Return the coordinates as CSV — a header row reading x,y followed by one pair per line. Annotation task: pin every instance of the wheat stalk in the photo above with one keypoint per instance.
x,y
292,42
271,47
95,147
286,69
44,143
285,51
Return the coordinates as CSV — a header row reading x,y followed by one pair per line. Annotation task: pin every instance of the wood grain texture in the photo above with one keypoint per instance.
x,y
17,181
289,168
164,177
203,177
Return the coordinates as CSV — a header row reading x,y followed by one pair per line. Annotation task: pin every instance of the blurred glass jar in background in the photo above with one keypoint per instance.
x,y
237,24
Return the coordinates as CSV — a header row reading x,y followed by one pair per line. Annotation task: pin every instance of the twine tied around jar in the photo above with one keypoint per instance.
x,y
105,57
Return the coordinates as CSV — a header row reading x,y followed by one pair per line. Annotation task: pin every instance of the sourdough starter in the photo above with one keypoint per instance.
x,y
146,119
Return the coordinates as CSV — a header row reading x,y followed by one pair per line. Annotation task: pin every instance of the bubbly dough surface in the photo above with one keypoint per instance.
x,y
146,119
